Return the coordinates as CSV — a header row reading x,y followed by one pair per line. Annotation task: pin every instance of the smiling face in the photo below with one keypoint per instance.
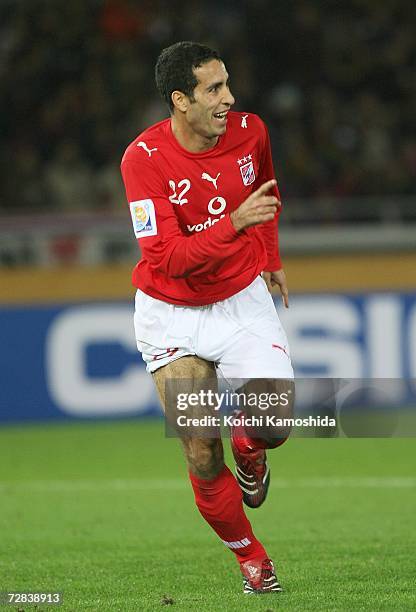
x,y
203,118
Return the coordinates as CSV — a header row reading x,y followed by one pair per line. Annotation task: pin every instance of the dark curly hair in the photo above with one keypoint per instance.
x,y
175,68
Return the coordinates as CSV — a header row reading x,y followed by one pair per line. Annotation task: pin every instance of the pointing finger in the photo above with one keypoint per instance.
x,y
265,187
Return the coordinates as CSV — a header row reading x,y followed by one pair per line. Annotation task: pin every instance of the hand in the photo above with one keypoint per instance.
x,y
277,278
258,208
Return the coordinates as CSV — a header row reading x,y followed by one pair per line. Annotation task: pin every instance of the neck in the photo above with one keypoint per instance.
x,y
190,140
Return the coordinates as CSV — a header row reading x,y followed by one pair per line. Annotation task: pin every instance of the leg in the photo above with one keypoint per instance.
x,y
204,455
217,494
258,427
258,351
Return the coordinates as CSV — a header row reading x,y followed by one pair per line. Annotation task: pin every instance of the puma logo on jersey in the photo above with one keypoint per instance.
x,y
244,121
206,177
143,145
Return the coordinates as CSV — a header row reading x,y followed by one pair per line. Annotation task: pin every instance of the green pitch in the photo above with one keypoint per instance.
x,y
105,514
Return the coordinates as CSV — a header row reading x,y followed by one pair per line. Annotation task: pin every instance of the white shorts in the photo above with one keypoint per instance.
x,y
241,335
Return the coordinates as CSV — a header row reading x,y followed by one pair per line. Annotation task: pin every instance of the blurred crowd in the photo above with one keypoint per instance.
x,y
335,82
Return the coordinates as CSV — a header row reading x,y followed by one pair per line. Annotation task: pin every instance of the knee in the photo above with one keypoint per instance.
x,y
276,436
205,457
280,428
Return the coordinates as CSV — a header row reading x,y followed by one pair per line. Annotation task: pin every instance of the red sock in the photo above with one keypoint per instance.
x,y
220,502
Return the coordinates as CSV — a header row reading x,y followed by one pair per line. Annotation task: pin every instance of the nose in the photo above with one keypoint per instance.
x,y
229,98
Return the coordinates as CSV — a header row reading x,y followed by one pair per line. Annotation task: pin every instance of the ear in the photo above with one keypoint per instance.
x,y
180,101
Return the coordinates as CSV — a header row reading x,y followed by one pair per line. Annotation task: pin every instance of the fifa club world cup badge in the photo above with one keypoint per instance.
x,y
247,170
144,218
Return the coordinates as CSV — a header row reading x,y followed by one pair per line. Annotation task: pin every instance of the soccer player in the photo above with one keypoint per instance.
x,y
205,204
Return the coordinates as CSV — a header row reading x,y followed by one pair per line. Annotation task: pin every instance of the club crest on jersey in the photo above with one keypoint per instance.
x,y
144,218
247,170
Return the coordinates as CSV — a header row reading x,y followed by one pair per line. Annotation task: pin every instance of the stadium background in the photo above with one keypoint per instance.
x,y
335,83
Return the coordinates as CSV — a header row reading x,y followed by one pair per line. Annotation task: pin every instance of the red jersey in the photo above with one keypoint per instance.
x,y
180,203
